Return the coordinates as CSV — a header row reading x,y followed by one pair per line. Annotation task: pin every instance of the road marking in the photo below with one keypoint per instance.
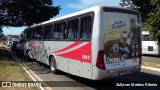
x,y
33,75
26,71
29,72
151,68
38,78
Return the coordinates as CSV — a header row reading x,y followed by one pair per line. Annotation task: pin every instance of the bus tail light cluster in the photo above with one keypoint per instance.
x,y
100,60
21,45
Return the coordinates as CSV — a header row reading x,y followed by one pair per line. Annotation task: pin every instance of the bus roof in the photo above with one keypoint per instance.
x,y
95,9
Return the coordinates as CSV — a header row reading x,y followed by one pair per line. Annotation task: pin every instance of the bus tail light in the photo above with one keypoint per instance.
x,y
21,45
100,60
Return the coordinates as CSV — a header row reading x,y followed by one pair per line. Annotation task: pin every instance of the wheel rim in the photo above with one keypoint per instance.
x,y
52,65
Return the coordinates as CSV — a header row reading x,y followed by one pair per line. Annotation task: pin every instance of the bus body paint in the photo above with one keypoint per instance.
x,y
82,53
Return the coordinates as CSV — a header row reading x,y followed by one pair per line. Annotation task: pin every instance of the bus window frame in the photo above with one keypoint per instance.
x,y
50,24
92,20
70,19
59,22
42,29
91,13
79,16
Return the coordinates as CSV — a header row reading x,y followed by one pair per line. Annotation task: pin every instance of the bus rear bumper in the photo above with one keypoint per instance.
x,y
103,74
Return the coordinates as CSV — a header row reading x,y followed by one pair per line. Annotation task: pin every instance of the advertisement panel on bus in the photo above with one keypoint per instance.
x,y
122,40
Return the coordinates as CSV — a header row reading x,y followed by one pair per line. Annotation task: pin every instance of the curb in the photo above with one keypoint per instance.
x,y
36,77
151,68
30,75
27,71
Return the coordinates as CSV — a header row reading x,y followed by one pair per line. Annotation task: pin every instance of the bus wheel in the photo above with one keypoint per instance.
x,y
27,54
52,65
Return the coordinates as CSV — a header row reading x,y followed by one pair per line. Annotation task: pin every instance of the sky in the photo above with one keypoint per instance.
x,y
68,6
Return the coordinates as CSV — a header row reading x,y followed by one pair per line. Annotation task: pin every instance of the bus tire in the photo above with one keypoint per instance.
x,y
53,66
27,54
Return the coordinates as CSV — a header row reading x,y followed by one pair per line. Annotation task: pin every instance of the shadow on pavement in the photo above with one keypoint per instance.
x,y
36,66
148,55
107,84
110,84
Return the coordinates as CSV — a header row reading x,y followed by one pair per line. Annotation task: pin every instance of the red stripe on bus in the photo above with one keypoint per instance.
x,y
82,54
68,47
35,45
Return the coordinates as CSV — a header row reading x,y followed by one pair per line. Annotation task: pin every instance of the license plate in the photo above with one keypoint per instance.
x,y
122,72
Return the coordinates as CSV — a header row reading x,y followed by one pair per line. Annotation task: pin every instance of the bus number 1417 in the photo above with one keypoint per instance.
x,y
86,57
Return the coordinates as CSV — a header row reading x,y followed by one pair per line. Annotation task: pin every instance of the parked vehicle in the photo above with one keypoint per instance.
x,y
95,43
150,47
13,47
20,45
9,43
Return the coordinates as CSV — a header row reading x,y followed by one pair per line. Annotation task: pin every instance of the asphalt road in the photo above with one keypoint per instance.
x,y
64,81
151,58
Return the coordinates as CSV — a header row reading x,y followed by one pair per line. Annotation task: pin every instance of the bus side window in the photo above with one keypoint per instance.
x,y
62,30
48,32
39,33
85,31
72,30
33,32
56,32
28,34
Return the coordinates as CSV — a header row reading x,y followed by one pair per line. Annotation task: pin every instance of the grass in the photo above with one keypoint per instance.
x,y
10,70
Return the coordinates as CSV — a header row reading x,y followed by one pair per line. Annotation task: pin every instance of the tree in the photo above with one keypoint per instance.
x,y
150,13
1,32
128,4
143,6
153,24
26,12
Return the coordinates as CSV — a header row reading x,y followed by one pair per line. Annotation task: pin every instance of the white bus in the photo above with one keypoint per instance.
x,y
149,47
95,43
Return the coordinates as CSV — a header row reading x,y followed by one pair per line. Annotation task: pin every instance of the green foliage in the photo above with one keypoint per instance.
x,y
1,32
146,7
26,12
150,10
150,13
143,6
127,3
153,25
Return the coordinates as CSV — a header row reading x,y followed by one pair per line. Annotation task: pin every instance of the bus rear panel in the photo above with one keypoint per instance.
x,y
120,52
